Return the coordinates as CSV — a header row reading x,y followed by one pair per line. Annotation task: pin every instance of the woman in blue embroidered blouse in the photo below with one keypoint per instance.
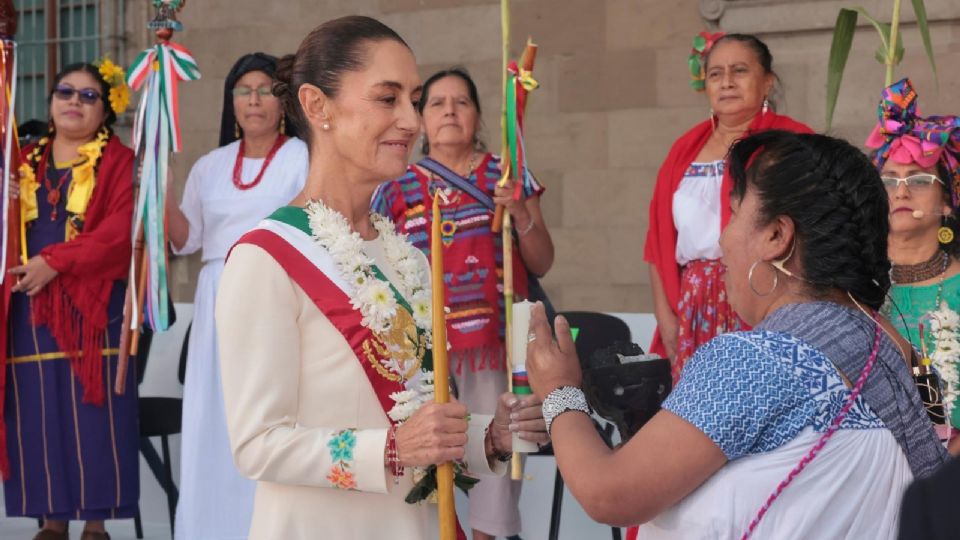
x,y
805,251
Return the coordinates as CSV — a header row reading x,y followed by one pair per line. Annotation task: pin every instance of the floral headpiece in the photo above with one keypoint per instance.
x,y
906,137
117,79
702,43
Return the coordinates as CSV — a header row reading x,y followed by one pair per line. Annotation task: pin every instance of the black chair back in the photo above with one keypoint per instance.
x,y
596,331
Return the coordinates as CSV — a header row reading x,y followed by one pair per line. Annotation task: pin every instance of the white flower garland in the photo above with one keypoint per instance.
x,y
945,328
372,296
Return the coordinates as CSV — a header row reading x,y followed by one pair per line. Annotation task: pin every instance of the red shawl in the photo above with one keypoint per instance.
x,y
661,245
74,304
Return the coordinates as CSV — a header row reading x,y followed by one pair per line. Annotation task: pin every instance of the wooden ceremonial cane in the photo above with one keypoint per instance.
x,y
441,373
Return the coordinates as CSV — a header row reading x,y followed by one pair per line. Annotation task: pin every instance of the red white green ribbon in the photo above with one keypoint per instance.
x,y
156,133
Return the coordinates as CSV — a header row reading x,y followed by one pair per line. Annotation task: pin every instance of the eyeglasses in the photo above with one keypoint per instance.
x,y
245,91
88,96
914,181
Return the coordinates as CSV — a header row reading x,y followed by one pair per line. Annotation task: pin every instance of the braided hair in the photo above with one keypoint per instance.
x,y
838,204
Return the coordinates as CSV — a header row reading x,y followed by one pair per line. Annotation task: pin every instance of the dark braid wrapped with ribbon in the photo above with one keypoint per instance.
x,y
906,137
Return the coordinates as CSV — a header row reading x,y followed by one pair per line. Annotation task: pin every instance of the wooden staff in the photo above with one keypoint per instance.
x,y
441,373
130,330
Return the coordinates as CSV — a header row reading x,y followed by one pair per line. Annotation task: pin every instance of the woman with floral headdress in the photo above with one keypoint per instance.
x,y
919,161
691,198
71,443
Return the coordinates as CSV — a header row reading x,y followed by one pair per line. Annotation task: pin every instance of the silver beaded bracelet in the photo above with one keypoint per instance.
x,y
561,400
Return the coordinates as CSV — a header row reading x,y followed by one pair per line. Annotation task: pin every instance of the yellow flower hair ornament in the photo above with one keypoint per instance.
x,y
119,96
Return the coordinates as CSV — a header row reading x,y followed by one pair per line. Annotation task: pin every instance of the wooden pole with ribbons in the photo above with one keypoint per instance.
x,y
441,372
10,252
517,83
156,134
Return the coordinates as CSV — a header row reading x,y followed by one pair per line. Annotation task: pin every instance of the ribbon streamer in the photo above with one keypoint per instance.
x,y
156,133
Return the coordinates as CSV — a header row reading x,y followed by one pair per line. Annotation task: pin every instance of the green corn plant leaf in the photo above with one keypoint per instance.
x,y
883,50
843,32
921,12
882,28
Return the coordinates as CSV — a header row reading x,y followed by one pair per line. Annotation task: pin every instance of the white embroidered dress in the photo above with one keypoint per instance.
x,y
215,500
765,398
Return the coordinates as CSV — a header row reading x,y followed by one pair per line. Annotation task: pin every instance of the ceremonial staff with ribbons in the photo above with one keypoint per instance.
x,y
518,82
9,255
156,134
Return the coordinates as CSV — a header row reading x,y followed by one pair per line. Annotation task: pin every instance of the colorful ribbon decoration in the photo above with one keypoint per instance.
x,y
520,83
697,61
906,137
156,133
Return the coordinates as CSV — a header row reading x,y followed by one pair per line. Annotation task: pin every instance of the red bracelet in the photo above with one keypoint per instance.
x,y
393,456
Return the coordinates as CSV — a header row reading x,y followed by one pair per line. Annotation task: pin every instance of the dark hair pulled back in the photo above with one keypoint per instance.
x,y
464,75
330,50
764,57
834,196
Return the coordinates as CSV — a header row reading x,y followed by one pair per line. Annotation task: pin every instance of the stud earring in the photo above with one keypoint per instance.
x,y
326,126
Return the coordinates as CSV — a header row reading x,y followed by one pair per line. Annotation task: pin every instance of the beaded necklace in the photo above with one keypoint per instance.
x,y
903,274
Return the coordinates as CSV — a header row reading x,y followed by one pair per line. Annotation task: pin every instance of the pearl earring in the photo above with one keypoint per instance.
x,y
326,126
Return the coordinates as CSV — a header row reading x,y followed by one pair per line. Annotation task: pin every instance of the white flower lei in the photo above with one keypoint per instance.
x,y
945,328
372,296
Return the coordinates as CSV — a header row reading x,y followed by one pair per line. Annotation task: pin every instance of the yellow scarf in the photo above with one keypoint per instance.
x,y
78,194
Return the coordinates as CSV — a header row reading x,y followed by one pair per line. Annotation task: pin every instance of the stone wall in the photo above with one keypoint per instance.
x,y
614,96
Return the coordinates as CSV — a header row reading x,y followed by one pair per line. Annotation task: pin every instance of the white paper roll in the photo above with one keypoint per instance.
x,y
521,333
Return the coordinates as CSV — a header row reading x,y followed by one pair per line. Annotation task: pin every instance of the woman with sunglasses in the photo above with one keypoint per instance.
x,y
71,442
919,162
258,168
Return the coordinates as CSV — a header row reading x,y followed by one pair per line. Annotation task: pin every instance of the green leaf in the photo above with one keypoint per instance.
x,y
882,28
883,50
464,482
839,52
694,63
699,42
422,489
921,12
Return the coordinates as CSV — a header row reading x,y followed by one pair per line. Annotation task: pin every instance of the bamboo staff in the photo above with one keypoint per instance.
x,y
513,168
441,373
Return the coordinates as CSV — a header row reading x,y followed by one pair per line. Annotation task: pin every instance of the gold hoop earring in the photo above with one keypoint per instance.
x,y
283,125
713,120
236,129
776,280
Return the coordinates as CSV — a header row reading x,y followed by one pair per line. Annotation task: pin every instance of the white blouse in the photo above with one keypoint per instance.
x,y
696,212
219,213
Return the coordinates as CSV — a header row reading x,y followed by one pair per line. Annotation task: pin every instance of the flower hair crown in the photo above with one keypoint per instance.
x,y
697,61
119,96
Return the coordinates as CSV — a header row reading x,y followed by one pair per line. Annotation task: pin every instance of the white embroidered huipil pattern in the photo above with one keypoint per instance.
x,y
696,212
292,385
219,213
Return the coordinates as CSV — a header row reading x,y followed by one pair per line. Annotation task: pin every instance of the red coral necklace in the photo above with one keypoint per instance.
x,y
238,164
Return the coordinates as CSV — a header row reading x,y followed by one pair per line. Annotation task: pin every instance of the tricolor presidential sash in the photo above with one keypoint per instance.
x,y
286,237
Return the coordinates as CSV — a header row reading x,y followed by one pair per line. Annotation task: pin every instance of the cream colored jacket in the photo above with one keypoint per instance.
x,y
291,384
